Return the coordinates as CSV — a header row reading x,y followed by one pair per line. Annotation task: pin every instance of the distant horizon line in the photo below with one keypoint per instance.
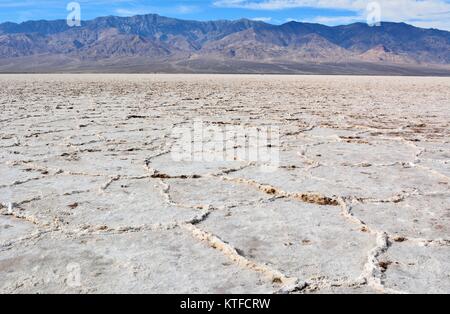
x,y
219,20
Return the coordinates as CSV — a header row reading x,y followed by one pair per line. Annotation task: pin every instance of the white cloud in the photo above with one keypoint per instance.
x,y
128,12
425,13
186,9
179,9
336,20
262,19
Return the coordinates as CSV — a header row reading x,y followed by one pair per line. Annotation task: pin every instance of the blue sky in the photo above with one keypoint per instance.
x,y
424,13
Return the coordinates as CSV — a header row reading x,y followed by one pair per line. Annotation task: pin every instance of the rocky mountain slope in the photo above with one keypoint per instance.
x,y
117,42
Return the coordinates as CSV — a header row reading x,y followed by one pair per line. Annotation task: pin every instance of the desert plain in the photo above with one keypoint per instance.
x,y
94,200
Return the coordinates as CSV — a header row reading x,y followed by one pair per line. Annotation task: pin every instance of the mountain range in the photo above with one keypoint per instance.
x,y
152,43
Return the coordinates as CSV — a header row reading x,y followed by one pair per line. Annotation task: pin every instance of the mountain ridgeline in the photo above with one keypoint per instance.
x,y
160,44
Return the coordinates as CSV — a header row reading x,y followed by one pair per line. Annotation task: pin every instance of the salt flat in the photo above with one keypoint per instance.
x,y
95,200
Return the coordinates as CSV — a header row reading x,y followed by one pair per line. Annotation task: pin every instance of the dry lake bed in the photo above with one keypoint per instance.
x,y
100,192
